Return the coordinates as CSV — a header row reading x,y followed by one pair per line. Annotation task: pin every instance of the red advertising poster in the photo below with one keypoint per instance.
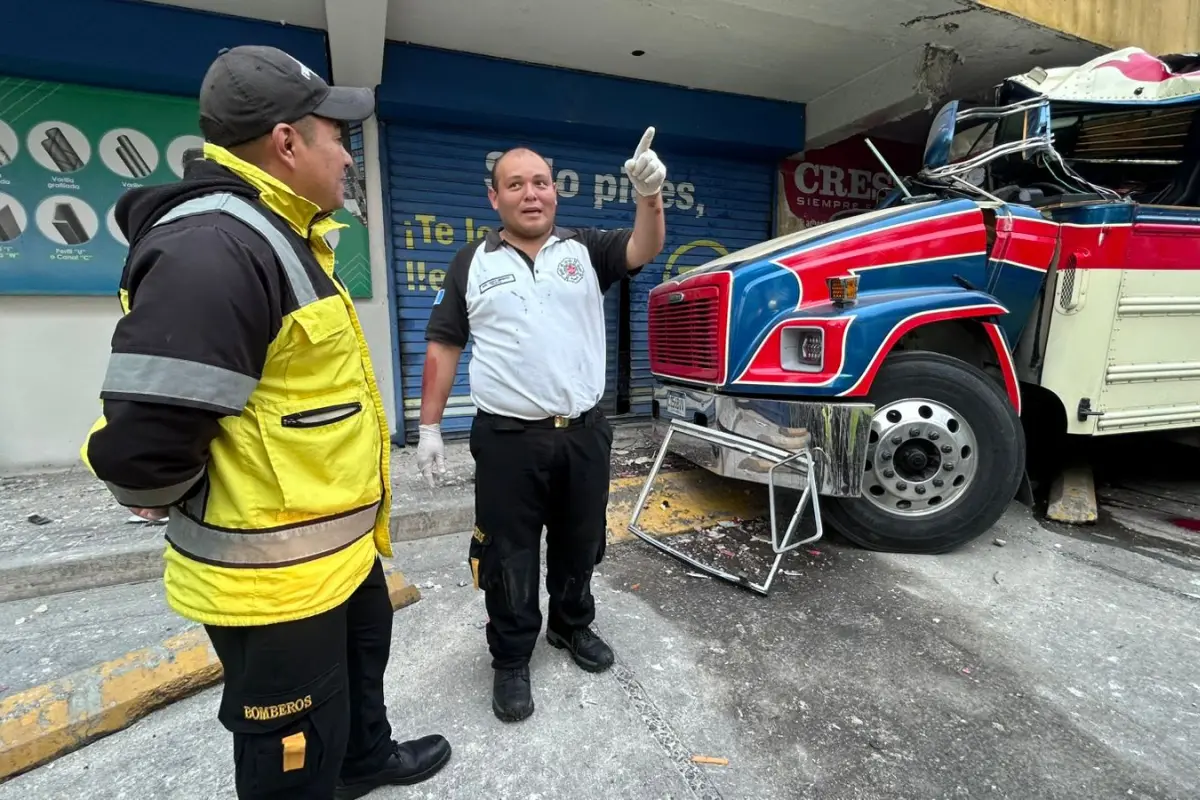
x,y
839,177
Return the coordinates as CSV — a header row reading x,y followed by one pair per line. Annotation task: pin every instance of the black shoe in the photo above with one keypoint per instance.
x,y
588,649
511,698
409,763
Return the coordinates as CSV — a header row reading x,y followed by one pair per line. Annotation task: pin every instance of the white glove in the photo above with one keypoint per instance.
x,y
645,170
431,453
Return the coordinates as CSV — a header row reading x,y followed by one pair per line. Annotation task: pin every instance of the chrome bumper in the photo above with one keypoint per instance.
x,y
837,433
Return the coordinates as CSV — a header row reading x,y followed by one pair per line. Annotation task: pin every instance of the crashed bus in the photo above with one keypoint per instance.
x,y
877,364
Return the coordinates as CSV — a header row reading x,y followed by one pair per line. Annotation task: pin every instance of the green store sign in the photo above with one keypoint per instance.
x,y
68,153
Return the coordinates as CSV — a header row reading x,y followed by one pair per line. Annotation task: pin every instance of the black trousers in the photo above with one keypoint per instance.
x,y
304,699
527,476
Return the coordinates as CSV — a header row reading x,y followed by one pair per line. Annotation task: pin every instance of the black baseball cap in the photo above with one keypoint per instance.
x,y
250,89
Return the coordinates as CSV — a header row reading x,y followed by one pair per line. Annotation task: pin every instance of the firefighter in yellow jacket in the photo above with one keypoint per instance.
x,y
239,403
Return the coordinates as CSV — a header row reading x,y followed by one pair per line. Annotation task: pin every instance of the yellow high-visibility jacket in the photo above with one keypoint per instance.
x,y
240,394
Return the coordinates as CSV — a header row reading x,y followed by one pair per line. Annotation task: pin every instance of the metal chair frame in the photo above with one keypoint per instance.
x,y
781,542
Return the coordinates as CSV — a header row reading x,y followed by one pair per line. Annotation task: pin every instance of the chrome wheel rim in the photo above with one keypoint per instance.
x,y
921,459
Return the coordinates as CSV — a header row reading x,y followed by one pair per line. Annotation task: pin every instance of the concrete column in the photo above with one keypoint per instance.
x,y
377,313
916,81
356,46
357,32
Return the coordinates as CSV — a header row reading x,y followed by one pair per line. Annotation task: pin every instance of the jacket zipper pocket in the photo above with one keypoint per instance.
x,y
317,417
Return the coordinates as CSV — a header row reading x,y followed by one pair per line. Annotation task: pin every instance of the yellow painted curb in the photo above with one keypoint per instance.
x,y
680,502
400,591
41,724
1073,497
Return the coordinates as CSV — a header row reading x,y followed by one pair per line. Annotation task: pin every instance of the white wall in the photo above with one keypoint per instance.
x,y
54,350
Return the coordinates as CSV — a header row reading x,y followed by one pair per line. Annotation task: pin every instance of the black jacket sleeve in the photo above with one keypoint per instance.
x,y
448,321
607,251
204,306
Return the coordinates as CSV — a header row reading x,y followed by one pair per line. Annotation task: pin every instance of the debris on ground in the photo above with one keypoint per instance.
x,y
38,519
134,519
744,547
999,542
719,762
634,457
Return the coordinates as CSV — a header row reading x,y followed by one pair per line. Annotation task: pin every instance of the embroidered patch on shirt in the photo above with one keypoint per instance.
x,y
569,269
494,282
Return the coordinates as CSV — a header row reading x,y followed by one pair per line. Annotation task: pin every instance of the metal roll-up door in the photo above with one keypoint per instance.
x,y
714,207
437,192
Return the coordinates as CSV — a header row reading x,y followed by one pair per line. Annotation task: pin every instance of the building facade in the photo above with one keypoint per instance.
x,y
98,96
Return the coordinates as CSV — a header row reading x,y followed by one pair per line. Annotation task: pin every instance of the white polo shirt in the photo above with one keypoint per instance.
x,y
537,327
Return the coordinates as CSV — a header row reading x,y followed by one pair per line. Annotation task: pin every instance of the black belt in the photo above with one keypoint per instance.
x,y
586,418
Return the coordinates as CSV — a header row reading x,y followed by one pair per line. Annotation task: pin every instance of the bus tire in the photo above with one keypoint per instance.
x,y
946,457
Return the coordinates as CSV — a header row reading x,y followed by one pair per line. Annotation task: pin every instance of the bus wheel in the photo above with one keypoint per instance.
x,y
946,456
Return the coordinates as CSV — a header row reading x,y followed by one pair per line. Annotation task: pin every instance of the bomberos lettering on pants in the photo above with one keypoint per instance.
x,y
264,713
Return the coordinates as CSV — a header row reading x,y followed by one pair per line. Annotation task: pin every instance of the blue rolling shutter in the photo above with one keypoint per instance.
x,y
438,203
717,207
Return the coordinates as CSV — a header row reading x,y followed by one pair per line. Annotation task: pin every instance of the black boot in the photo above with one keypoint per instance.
x,y
410,762
511,698
588,649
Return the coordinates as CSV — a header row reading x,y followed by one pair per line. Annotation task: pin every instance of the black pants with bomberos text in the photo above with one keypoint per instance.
x,y
304,699
528,475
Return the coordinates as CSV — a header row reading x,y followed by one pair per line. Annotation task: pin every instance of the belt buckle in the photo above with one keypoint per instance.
x,y
562,422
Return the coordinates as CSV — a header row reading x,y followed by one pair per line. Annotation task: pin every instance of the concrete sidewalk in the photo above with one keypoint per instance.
x,y
62,531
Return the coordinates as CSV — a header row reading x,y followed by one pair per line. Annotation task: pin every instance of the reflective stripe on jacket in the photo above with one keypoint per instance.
x,y
284,518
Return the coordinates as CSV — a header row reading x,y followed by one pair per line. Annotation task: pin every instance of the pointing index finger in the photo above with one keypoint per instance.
x,y
644,144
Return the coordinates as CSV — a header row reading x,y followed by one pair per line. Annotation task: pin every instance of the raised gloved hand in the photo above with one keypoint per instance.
x,y
431,453
645,170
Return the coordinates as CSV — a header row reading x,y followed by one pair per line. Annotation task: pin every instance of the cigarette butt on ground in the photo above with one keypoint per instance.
x,y
720,762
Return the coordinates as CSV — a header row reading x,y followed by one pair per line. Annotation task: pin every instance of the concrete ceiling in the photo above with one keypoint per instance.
x,y
779,49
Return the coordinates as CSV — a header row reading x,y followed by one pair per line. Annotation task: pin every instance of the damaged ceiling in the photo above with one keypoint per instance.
x,y
778,49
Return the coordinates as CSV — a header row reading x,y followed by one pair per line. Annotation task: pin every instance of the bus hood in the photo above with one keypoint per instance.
x,y
941,242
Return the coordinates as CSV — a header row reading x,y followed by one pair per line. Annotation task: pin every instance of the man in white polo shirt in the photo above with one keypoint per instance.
x,y
531,295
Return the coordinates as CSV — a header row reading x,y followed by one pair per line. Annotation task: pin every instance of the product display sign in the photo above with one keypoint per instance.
x,y
68,153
